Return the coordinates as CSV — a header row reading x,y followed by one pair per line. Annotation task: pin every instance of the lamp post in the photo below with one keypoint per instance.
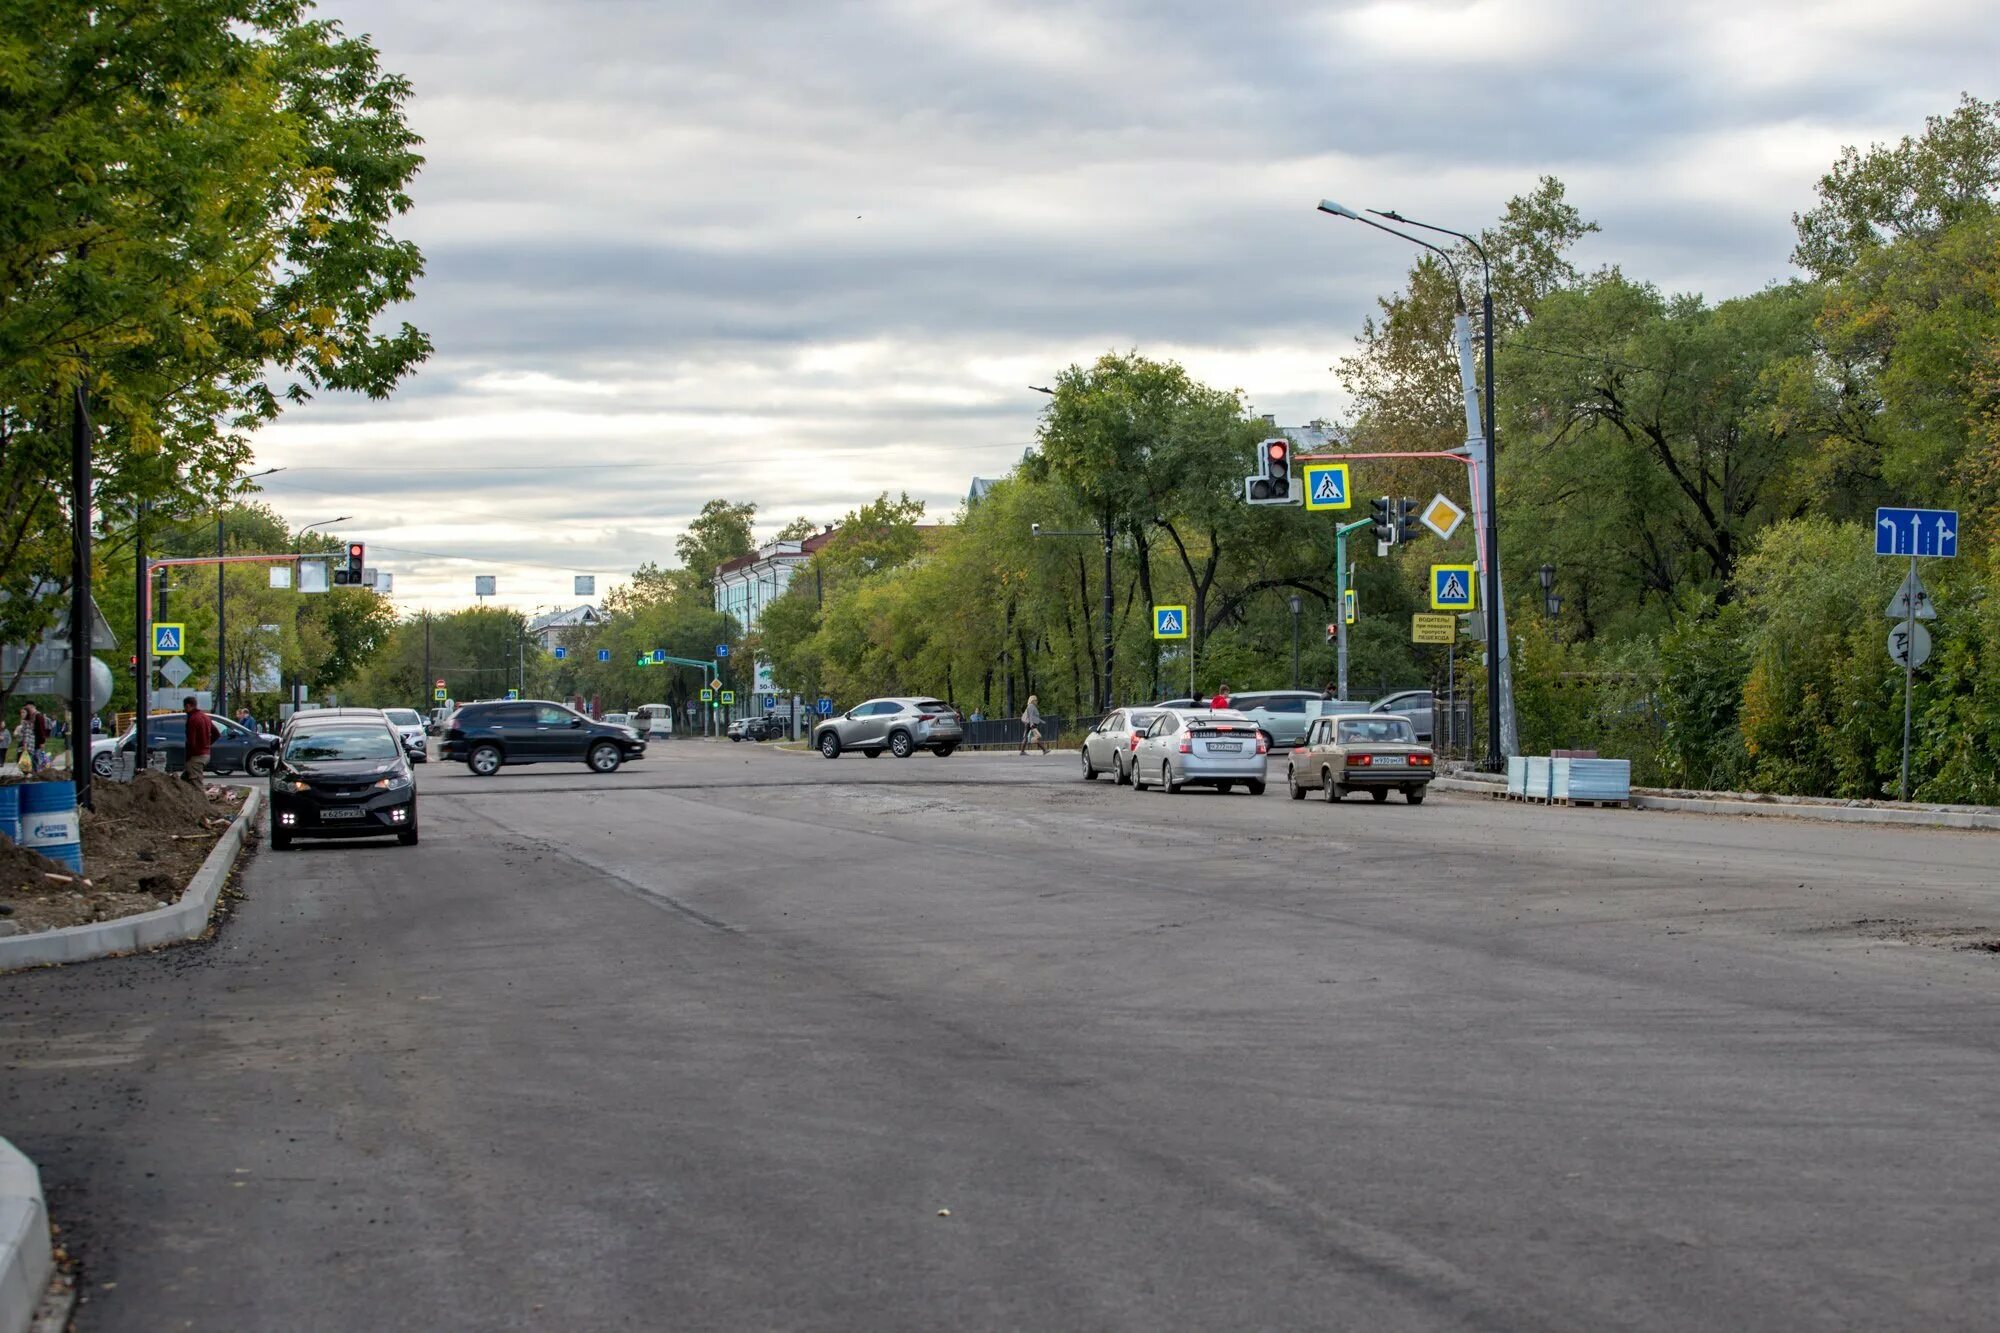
x,y
1106,532
1297,606
1498,689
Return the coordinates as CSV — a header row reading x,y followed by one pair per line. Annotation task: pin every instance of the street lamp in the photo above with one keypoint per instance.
x,y
1497,693
1550,602
1297,606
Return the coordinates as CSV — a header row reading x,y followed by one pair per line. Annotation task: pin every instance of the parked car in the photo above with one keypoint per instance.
x,y
754,729
1209,747
409,724
487,735
237,748
1417,705
1373,752
617,719
1108,747
439,718
1283,714
342,774
900,726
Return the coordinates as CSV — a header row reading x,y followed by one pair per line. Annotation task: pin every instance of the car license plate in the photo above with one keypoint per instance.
x,y
1389,761
1224,747
341,812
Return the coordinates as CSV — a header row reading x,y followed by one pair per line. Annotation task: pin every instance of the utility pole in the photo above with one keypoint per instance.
x,y
81,622
221,627
1340,596
142,651
1296,606
427,656
1106,704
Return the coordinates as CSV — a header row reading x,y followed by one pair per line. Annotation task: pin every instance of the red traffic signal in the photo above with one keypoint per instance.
x,y
1272,485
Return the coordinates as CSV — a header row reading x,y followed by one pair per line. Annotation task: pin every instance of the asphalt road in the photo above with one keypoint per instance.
x,y
714,1042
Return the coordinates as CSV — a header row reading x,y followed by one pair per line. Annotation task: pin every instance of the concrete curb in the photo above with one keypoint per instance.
x,y
1792,808
183,920
26,1259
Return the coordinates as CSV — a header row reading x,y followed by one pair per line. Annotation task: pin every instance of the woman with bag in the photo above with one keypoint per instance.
x,y
24,739
1031,727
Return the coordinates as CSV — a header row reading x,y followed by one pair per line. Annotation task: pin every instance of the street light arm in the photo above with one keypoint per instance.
x,y
1477,248
1451,267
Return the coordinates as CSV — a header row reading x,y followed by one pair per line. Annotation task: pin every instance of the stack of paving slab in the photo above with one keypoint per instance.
x,y
1590,781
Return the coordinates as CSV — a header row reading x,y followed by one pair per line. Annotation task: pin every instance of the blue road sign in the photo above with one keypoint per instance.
x,y
168,639
825,707
1326,486
1926,532
513,694
1170,622
1451,587
659,655
561,652
722,650
604,654
770,702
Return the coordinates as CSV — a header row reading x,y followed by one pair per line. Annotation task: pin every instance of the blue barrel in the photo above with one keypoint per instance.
x,y
49,823
10,811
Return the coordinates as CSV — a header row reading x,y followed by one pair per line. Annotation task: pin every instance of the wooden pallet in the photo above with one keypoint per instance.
x,y
1580,802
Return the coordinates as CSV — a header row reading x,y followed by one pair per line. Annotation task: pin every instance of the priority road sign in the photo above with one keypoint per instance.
x,y
1911,593
1326,486
824,707
176,671
1442,516
715,684
604,654
1170,622
169,639
1909,645
1925,532
707,695
1451,587
561,652
1433,628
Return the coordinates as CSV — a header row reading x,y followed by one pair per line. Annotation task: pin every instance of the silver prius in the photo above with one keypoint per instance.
x,y
1108,748
1209,747
900,726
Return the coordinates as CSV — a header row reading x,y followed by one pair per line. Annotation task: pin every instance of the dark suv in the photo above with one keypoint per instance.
x,y
534,731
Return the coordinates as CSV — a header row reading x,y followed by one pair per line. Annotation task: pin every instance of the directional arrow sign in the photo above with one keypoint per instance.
x,y
1907,649
1925,532
1912,592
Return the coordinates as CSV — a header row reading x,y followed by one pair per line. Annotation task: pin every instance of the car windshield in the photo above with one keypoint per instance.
x,y
324,745
403,717
1366,729
1282,704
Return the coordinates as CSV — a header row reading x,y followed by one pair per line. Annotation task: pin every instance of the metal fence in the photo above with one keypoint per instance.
x,y
1057,732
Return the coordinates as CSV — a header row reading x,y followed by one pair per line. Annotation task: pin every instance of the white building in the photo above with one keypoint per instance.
x,y
547,629
746,585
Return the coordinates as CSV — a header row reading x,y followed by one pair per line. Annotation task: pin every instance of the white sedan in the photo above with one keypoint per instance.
x,y
1212,747
1108,748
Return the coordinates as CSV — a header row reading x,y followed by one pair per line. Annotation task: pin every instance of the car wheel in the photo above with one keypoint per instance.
x,y
484,760
1379,795
1138,783
901,745
946,751
734,739
603,757
1414,795
829,744
1089,769
1334,791
1254,788
280,842
101,765
872,752
260,764
407,836
1292,784
1168,783
1119,777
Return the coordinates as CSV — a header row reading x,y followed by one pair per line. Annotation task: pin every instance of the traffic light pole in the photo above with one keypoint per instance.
x,y
1340,596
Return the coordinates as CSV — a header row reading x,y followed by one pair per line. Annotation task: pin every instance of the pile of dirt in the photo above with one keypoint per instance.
x,y
142,842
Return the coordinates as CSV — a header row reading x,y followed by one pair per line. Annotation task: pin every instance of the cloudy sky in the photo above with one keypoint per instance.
x,y
800,253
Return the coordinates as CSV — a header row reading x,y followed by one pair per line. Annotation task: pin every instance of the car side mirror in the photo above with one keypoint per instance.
x,y
576,722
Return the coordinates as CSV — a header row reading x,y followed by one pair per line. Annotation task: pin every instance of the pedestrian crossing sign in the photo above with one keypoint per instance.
x,y
169,640
438,694
707,695
1451,587
1326,486
1170,622
728,697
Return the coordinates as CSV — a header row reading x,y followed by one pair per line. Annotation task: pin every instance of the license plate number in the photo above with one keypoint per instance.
x,y
1388,761
1224,747
341,812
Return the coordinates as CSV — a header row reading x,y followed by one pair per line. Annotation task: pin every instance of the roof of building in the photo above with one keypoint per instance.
x,y
576,615
776,550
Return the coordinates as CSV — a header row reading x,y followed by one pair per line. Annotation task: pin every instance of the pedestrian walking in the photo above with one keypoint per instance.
x,y
23,739
244,720
1031,727
200,739
42,733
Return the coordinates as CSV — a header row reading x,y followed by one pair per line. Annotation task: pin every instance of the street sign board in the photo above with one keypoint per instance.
x,y
824,707
438,694
281,576
313,576
659,654
1351,606
176,671
1326,486
561,652
715,684
1909,645
586,585
770,702
1442,516
169,640
1911,593
1451,587
438,684
604,654
513,694
722,650
707,695
1925,532
728,697
483,585
1433,628
1170,622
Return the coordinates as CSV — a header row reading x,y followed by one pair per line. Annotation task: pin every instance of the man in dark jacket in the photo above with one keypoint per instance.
x,y
200,739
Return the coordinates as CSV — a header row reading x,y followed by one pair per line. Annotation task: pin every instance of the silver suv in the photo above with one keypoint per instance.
x,y
1282,715
900,726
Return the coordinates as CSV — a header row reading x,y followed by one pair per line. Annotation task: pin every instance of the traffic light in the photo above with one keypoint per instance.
x,y
1382,515
347,569
1407,527
1272,484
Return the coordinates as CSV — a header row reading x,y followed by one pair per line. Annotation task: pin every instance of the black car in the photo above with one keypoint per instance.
x,y
534,731
342,777
236,747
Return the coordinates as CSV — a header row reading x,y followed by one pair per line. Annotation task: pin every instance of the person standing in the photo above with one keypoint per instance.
x,y
24,739
1221,699
1031,727
244,720
200,739
41,739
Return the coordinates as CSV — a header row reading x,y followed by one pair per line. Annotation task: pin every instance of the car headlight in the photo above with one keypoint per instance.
x,y
292,784
394,782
